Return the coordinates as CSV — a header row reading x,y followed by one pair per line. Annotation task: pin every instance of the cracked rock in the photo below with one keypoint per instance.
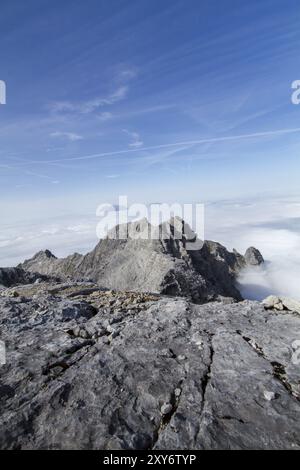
x,y
176,376
281,303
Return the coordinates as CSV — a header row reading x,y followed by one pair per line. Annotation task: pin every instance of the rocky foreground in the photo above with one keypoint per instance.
x,y
95,361
89,368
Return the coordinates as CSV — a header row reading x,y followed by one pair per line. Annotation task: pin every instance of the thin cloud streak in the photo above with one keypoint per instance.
x,y
68,135
90,106
135,137
176,144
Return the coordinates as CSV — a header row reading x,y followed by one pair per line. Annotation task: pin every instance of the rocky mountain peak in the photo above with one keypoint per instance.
x,y
168,258
253,257
45,254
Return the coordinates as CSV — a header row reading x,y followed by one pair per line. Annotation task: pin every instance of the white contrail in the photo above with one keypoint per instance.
x,y
175,144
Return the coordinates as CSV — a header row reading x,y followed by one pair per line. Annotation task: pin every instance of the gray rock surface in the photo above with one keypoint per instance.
x,y
187,267
15,276
94,369
282,303
253,257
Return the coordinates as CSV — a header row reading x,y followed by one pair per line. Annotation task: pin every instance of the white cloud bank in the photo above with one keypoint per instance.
x,y
272,226
62,236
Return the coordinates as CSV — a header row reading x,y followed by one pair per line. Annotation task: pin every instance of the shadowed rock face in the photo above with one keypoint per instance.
x,y
94,369
14,276
186,267
253,257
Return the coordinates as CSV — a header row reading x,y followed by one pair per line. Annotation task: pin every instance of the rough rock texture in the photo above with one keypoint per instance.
x,y
281,303
15,276
253,257
94,369
46,263
187,267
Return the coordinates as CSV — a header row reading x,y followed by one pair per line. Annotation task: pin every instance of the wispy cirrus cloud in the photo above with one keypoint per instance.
x,y
86,107
136,140
121,91
41,175
105,116
34,174
127,74
239,137
72,136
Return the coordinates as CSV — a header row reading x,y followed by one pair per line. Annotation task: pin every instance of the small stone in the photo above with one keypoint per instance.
x,y
269,395
270,301
291,304
181,357
106,340
177,392
279,306
13,293
114,334
83,334
166,409
76,331
95,294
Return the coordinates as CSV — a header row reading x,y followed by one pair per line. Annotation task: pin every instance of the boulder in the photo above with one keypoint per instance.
x,y
282,303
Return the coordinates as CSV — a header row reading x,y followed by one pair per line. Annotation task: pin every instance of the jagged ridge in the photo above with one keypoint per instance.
x,y
164,265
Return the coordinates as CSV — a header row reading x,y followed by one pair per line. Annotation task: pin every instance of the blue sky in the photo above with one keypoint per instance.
x,y
159,100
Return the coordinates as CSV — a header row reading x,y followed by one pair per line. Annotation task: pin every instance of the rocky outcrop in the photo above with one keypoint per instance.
x,y
163,264
282,303
15,276
253,257
94,369
44,262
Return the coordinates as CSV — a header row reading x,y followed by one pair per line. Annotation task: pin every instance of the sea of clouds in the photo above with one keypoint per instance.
x,y
270,224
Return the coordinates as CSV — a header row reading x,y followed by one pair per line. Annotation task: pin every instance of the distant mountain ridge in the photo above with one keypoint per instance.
x,y
15,276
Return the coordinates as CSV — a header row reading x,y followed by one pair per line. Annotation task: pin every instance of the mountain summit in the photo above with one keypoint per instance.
x,y
129,259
